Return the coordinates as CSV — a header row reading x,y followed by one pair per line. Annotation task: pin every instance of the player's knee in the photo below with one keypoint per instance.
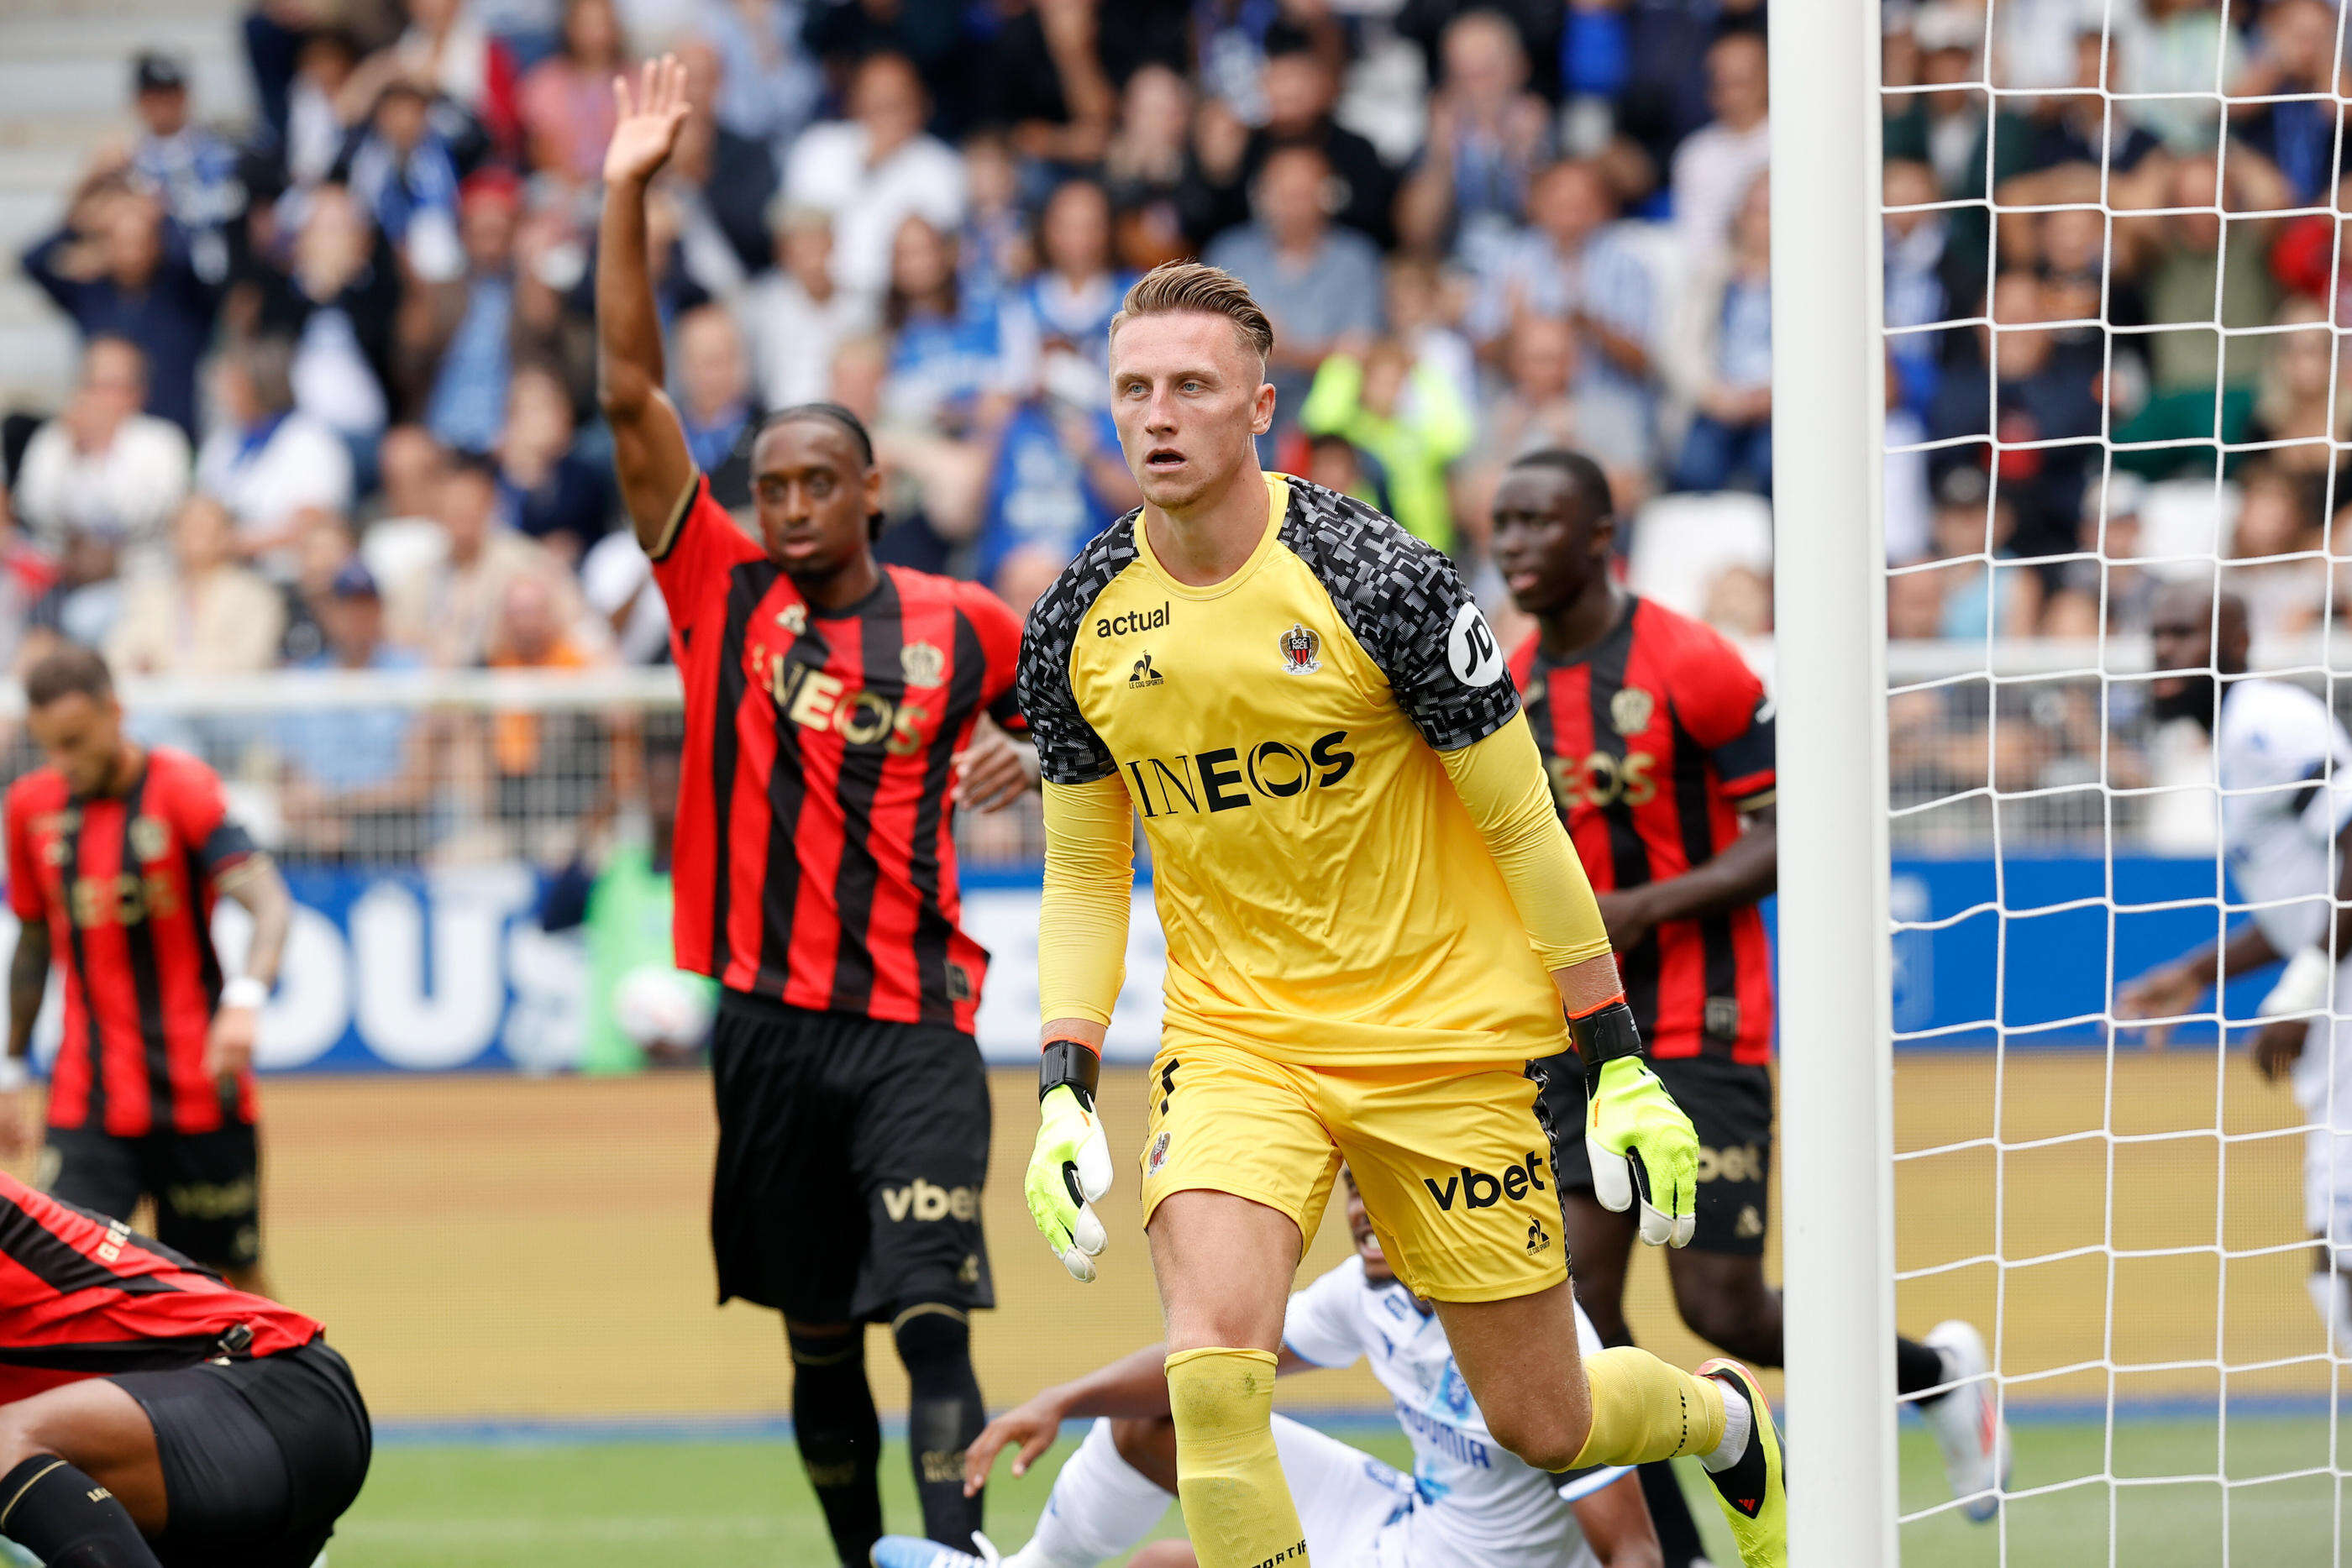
x,y
934,1342
1548,1437
1737,1311
1142,1441
23,1433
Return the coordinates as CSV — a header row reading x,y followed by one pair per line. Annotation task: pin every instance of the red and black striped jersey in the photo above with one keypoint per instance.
x,y
814,859
1656,739
127,884
84,1296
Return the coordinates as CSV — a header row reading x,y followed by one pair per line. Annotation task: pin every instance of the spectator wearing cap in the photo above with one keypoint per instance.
x,y
1317,284
206,614
403,164
194,171
356,778
445,605
795,315
113,266
266,459
875,170
1981,594
101,466
467,406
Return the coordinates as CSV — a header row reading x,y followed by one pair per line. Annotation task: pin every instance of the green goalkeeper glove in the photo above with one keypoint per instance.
x,y
1638,1142
1071,1166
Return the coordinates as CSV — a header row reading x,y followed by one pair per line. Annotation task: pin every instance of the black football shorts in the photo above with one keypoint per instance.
x,y
851,1158
1730,1105
206,1185
260,1457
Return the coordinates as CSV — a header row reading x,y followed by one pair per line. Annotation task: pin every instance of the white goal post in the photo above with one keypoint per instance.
x,y
1836,1024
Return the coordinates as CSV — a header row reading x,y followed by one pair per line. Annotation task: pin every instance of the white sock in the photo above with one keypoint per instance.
x,y
1738,1426
1101,1506
2331,1294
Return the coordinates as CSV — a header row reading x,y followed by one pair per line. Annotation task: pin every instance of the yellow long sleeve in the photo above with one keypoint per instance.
x,y
1089,886
1501,780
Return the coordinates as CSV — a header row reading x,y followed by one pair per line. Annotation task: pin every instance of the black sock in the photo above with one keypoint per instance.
x,y
68,1521
840,1437
944,1414
1918,1366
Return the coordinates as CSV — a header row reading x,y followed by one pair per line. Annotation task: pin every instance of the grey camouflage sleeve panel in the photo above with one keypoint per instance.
x,y
1411,611
1068,749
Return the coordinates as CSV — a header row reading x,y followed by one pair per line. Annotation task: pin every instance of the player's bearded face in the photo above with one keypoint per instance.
x,y
1186,393
81,736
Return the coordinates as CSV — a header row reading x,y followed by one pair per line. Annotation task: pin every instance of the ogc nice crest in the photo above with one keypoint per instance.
x,y
1299,651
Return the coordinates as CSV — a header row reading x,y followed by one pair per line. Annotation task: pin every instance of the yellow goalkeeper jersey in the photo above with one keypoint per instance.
x,y
1326,897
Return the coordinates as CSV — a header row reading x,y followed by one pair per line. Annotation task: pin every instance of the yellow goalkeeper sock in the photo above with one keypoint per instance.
x,y
1237,1507
1644,1409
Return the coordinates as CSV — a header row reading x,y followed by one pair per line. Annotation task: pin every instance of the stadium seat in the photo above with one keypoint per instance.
x,y
1682,543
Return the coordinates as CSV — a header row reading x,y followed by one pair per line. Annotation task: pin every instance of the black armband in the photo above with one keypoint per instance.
x,y
1602,1036
1069,1061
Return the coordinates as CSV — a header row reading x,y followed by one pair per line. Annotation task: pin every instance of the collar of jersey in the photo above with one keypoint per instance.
x,y
1278,503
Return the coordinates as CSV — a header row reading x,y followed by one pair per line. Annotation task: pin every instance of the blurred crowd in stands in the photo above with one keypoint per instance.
x,y
335,405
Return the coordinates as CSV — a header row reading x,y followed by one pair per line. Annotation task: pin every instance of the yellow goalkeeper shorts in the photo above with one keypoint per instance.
x,y
1454,1168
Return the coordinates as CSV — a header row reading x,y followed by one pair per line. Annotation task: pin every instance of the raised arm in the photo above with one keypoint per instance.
x,y
648,444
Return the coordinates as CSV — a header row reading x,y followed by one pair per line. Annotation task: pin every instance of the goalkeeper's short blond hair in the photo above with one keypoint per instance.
x,y
1176,286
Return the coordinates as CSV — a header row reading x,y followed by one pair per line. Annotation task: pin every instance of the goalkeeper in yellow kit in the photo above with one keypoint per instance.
x,y
1374,922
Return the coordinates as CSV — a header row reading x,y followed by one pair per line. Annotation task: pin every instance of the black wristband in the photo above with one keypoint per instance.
x,y
1072,1063
1602,1036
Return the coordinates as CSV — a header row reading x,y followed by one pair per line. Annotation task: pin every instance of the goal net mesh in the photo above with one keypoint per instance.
x,y
2111,325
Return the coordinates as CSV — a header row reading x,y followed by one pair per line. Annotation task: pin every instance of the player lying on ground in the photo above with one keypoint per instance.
x,y
832,706
151,1414
1658,738
1373,922
2286,775
1467,1504
117,854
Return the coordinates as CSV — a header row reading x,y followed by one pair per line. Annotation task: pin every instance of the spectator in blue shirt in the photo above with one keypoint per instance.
x,y
112,267
947,368
1072,298
193,171
468,406
358,778
1059,480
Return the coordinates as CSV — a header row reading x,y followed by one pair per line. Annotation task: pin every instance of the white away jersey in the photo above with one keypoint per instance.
x,y
2285,769
1480,1504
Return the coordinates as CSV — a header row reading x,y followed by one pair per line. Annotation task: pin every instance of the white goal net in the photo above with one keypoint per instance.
x,y
2114,385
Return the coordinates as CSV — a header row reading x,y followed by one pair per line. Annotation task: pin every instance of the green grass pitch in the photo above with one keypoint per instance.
x,y
740,1504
